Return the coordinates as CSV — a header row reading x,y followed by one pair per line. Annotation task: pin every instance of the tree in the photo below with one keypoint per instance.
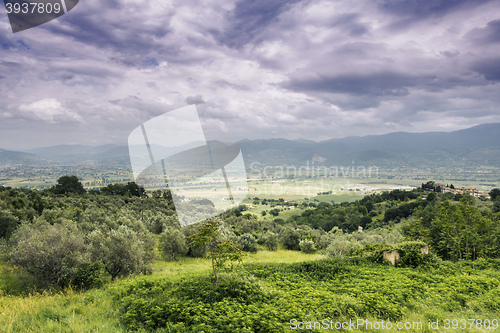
x,y
130,189
307,246
52,253
225,255
496,205
121,250
68,184
8,223
494,193
173,242
270,241
341,246
290,238
248,242
274,212
459,229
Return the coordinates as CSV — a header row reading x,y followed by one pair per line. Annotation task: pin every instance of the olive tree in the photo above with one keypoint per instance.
x,y
68,184
52,253
248,242
8,223
121,250
173,243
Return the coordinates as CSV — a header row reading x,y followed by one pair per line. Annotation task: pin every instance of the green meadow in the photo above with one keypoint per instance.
x,y
272,292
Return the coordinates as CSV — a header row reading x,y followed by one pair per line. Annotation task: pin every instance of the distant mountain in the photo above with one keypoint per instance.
x,y
9,157
71,153
477,145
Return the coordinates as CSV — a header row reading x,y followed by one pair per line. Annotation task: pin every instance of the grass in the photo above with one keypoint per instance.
x,y
295,284
68,311
95,310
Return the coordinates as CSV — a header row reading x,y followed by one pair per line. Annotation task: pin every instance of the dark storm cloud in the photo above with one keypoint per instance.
x,y
487,35
112,25
378,84
489,68
413,11
198,99
350,24
249,19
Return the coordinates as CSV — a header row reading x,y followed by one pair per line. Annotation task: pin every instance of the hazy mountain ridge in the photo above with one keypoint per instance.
x,y
477,145
11,157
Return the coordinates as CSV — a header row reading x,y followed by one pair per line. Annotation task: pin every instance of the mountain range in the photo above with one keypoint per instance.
x,y
479,145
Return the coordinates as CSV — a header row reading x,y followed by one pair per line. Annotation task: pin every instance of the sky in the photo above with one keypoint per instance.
x,y
254,69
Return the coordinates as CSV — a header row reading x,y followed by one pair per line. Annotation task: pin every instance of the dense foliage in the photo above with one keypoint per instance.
x,y
336,290
120,228
65,237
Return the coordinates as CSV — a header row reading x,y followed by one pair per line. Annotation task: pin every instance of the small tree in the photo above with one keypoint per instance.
x,y
494,193
8,223
274,212
121,250
173,242
52,253
341,246
68,184
290,238
248,242
270,241
307,246
225,255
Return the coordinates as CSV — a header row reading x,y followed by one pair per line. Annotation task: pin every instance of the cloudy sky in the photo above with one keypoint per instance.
x,y
255,69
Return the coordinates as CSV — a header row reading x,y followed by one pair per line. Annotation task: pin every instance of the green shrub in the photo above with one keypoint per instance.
x,y
270,241
89,276
290,238
307,246
120,250
411,254
194,305
8,224
173,243
52,253
248,242
340,247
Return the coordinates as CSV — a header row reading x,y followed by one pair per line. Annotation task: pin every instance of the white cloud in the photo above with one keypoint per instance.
x,y
48,110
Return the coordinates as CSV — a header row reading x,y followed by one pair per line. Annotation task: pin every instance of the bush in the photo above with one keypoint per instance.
x,y
120,250
307,246
270,241
8,223
340,247
249,242
291,238
52,253
411,254
89,276
173,243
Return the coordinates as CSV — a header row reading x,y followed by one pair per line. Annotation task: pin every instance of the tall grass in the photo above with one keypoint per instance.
x,y
291,282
